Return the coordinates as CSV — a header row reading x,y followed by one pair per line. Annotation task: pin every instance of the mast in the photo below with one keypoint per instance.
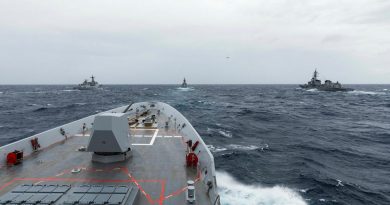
x,y
315,75
93,78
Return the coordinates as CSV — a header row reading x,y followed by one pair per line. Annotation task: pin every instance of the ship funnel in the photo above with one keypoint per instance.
x,y
109,140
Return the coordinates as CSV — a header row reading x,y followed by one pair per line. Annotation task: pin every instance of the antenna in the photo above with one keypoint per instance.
x,y
315,75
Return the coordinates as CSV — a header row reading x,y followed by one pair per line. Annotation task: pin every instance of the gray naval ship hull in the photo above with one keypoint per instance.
x,y
60,171
88,87
324,88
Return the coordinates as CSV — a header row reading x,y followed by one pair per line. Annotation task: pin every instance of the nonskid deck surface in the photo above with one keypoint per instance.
x,y
157,167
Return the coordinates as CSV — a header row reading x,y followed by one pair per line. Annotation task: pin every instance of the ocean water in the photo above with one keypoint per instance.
x,y
273,144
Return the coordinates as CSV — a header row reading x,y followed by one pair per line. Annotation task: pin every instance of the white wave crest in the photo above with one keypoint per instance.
x,y
361,92
216,149
186,89
235,193
312,90
69,90
243,147
225,133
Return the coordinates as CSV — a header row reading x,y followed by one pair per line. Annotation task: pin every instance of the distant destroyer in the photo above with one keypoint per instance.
x,y
92,85
184,84
315,83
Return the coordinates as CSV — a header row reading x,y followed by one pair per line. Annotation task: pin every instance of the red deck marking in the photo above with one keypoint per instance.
x,y
162,198
125,170
176,193
7,184
132,179
75,180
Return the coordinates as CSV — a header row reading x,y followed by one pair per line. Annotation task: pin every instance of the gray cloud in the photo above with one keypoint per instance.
x,y
279,41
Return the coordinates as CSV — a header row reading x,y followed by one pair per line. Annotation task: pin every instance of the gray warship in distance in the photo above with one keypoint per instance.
x,y
315,83
145,153
184,84
92,85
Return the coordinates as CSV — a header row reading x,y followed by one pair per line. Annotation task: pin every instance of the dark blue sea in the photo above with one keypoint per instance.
x,y
273,144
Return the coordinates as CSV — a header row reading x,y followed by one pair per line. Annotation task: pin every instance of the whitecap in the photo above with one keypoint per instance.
x,y
361,92
73,90
209,130
185,89
216,149
339,182
303,190
235,193
227,134
243,147
312,90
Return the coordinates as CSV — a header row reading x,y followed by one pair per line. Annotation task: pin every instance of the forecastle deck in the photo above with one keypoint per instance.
x,y
157,167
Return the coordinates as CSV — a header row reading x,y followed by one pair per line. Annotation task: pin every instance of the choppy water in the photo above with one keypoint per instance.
x,y
273,144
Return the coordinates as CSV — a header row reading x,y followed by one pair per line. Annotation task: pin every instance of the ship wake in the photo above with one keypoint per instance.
x,y
233,192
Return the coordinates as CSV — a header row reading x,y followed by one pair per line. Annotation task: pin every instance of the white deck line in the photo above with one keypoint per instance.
x,y
82,135
151,141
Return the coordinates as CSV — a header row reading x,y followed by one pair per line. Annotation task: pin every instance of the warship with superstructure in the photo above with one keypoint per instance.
x,y
89,85
144,153
315,83
184,84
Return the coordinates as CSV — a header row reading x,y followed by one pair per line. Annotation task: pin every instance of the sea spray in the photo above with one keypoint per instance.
x,y
233,192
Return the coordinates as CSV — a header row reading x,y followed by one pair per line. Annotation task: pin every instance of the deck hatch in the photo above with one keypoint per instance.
x,y
95,189
36,198
88,198
22,198
116,199
102,199
51,198
8,198
108,189
22,188
34,189
73,198
81,189
121,190
48,189
61,189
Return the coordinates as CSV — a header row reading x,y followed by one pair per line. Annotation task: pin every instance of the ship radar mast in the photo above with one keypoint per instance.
x,y
315,75
93,78
184,81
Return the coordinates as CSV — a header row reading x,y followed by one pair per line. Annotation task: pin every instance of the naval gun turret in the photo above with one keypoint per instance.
x,y
109,140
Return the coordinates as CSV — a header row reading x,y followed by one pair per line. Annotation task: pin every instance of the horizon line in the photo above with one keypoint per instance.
x,y
195,84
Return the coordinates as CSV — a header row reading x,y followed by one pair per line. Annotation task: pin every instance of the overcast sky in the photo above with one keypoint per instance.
x,y
162,41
